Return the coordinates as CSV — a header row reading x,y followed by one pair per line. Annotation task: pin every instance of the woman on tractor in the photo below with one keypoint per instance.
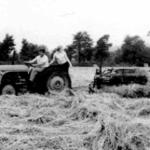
x,y
61,58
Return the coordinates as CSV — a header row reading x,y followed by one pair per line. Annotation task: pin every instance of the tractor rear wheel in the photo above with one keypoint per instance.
x,y
57,83
8,89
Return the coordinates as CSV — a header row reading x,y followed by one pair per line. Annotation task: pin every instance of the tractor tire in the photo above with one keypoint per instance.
x,y
8,89
57,83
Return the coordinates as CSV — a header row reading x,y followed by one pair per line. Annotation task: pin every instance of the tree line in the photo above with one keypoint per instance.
x,y
82,51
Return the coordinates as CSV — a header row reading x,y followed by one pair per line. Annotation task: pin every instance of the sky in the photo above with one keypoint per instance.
x,y
54,22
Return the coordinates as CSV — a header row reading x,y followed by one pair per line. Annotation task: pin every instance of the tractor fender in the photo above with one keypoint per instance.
x,y
58,72
1,76
51,70
42,78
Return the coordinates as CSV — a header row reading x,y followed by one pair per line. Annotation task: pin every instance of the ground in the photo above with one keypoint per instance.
x,y
101,121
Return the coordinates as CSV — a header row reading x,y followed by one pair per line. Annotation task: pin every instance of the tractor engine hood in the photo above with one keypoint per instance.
x,y
15,68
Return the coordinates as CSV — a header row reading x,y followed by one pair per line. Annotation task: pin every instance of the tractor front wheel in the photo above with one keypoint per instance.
x,y
8,90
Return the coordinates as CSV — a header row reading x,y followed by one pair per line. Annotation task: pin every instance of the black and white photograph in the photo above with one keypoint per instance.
x,y
74,75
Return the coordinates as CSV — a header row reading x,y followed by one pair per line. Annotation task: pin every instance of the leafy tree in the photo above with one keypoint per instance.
x,y
133,50
82,45
28,50
70,52
145,55
102,50
118,56
6,47
110,61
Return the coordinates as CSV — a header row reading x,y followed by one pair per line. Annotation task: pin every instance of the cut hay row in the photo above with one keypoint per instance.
x,y
100,121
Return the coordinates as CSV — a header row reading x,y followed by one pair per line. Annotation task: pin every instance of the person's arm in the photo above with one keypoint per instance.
x,y
68,60
32,61
53,60
39,65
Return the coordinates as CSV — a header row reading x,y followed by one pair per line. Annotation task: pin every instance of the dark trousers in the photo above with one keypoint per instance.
x,y
65,67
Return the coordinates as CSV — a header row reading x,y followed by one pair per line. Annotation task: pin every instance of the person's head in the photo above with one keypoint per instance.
x,y
59,49
41,51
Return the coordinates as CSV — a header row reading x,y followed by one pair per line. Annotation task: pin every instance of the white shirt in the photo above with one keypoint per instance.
x,y
42,60
60,57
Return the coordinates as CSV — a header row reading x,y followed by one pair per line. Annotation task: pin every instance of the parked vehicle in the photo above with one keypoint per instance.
x,y
121,75
14,79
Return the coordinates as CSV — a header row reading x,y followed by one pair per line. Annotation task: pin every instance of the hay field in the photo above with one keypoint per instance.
x,y
102,121
82,76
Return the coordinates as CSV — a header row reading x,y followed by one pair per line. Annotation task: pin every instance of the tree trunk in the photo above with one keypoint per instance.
x,y
79,54
79,57
100,66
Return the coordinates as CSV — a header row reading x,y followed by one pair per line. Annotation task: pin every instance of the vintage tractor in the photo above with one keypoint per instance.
x,y
14,79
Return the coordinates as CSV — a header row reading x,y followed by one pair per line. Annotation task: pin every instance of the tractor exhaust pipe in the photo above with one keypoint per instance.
x,y
12,57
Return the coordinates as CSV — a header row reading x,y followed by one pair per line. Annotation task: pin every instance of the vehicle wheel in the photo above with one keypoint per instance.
x,y
143,80
57,83
8,90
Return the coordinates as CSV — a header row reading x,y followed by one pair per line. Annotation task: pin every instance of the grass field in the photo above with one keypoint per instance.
x,y
82,76
101,121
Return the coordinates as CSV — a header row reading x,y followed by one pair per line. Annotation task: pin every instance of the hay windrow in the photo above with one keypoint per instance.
x,y
101,121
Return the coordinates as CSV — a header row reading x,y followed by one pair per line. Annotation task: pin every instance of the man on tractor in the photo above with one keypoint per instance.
x,y
39,63
37,76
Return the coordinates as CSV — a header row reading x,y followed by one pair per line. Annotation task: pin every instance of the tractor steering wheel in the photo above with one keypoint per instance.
x,y
28,64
